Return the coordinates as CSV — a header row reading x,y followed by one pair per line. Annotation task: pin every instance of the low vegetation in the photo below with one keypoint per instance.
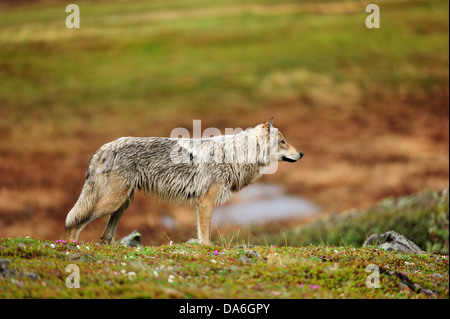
x,y
335,268
39,269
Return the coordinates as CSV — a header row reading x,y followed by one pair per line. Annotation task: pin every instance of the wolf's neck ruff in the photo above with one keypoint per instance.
x,y
247,147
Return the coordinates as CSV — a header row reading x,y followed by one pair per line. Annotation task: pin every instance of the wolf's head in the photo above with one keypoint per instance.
x,y
280,149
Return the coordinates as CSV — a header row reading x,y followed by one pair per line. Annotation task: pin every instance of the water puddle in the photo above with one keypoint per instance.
x,y
262,203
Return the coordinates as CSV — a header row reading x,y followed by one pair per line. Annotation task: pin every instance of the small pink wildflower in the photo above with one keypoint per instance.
x,y
300,286
217,253
314,286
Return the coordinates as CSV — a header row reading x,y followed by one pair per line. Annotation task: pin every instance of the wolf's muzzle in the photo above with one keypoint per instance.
x,y
290,160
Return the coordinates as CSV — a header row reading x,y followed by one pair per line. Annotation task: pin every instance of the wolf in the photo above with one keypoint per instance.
x,y
202,172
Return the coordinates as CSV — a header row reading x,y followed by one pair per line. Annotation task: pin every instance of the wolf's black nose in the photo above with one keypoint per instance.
x,y
301,154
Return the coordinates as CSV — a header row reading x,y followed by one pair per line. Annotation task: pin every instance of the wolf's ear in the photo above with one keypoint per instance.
x,y
268,124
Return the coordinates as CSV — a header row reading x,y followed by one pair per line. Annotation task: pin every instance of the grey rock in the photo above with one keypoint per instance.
x,y
405,283
245,260
244,246
437,276
392,240
4,271
253,254
30,275
131,240
4,263
421,290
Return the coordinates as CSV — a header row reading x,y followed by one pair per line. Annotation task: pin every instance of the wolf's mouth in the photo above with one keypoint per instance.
x,y
290,160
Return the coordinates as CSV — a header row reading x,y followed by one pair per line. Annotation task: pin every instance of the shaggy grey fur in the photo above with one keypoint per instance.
x,y
178,170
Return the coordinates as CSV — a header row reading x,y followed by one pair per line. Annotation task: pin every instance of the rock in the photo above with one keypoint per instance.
x,y
424,291
392,240
7,272
131,240
406,284
253,254
4,271
30,275
245,260
4,263
438,276
244,246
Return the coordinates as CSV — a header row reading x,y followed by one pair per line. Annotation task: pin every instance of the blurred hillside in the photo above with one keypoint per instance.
x,y
368,107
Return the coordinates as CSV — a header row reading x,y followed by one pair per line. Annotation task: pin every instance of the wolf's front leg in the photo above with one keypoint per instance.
x,y
204,214
205,207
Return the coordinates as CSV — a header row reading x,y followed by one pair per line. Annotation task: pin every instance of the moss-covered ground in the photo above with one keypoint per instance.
x,y
40,269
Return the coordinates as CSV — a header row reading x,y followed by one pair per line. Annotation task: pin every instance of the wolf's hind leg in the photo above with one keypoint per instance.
x,y
111,195
72,233
80,214
113,221
114,201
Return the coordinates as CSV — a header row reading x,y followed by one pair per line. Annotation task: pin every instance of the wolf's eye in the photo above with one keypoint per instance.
x,y
283,141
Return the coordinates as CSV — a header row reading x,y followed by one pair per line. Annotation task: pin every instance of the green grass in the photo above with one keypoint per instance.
x,y
324,259
192,271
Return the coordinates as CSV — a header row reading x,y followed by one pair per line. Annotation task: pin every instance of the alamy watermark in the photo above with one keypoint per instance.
x,y
73,19
373,280
372,20
236,146
73,280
